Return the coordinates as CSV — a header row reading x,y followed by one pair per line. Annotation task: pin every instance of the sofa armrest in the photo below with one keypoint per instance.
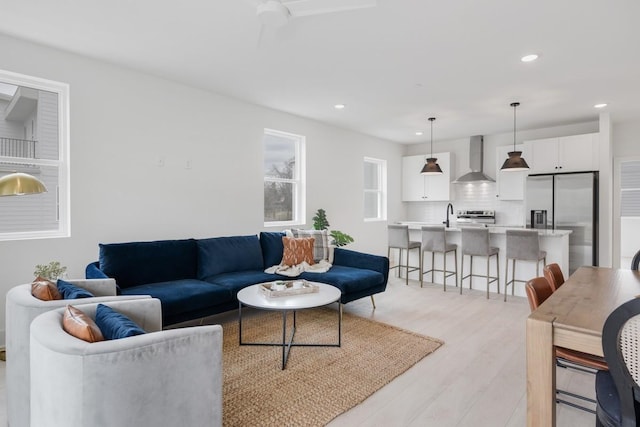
x,y
355,259
93,271
98,287
125,374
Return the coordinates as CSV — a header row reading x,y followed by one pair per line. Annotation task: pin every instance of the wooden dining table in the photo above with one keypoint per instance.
x,y
572,317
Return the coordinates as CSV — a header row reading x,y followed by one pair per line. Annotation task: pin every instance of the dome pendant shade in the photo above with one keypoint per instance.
x,y
515,162
431,167
19,184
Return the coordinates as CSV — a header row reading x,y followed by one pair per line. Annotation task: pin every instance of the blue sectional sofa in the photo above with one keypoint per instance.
x,y
194,278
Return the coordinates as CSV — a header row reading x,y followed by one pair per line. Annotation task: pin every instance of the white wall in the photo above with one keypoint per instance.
x,y
123,121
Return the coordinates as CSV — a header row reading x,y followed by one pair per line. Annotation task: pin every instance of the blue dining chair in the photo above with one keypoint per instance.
x,y
618,390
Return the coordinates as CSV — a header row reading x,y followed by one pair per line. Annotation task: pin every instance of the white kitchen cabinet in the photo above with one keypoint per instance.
x,y
420,188
576,153
509,185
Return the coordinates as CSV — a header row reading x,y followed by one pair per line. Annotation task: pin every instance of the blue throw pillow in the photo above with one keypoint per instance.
x,y
272,247
69,291
114,325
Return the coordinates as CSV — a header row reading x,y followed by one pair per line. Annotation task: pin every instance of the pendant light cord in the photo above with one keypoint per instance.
x,y
514,105
431,119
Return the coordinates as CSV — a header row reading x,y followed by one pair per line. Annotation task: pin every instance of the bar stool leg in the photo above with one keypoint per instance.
x,y
513,277
498,273
488,259
455,260
406,279
444,273
461,272
471,272
506,278
433,265
421,266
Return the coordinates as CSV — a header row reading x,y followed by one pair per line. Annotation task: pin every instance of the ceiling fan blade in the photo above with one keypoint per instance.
x,y
317,7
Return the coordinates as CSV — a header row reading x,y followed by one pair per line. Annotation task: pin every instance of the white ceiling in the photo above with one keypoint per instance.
x,y
393,65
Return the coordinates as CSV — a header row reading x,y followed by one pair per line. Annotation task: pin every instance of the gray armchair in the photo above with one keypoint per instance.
x,y
161,378
21,309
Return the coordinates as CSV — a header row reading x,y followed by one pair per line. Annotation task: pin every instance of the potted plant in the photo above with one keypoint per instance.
x,y
320,222
51,271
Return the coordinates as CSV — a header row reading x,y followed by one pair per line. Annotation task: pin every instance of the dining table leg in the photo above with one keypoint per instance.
x,y
541,372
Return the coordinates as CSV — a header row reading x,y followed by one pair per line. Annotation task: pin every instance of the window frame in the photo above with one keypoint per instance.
x,y
381,190
298,181
62,163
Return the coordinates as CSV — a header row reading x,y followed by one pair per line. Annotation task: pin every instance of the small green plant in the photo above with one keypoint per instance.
x,y
51,271
320,222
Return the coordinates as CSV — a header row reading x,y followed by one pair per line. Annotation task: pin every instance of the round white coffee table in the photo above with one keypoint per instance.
x,y
252,297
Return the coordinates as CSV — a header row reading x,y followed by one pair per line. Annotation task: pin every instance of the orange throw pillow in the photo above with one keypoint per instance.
x,y
75,322
297,250
44,289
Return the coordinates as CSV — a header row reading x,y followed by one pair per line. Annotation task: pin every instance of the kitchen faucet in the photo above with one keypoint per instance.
x,y
449,209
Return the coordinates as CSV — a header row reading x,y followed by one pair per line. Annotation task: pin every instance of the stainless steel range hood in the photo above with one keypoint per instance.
x,y
476,157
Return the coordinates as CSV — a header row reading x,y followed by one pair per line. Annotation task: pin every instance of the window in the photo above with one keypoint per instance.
x,y
284,192
34,139
375,189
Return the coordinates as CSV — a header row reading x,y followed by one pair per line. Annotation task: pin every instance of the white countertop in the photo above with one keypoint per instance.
x,y
493,229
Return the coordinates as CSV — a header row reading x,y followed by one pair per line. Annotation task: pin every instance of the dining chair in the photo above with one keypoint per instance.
x,y
554,276
635,262
538,290
618,389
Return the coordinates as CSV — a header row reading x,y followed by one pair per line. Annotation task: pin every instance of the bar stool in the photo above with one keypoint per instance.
x,y
399,239
434,239
522,245
554,276
475,242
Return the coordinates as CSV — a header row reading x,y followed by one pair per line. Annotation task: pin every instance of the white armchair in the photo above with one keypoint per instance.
x,y
161,378
21,309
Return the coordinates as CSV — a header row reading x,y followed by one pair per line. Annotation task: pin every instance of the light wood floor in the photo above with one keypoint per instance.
x,y
477,378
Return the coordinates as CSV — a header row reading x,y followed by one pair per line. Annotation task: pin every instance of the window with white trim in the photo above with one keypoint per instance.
x,y
375,189
284,186
34,139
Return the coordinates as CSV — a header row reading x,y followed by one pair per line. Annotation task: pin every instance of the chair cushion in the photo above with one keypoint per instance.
x,y
272,248
137,263
297,250
181,296
45,290
70,291
608,410
347,279
114,325
75,322
226,254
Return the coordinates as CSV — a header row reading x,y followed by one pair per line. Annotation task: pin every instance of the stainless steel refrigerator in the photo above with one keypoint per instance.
x,y
571,203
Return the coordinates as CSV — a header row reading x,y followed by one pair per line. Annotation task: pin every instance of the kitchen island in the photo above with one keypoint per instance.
x,y
554,242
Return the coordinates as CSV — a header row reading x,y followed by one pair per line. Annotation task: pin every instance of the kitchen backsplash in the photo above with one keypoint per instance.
x,y
469,197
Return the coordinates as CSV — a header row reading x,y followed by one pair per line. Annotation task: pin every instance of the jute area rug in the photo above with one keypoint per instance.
x,y
319,383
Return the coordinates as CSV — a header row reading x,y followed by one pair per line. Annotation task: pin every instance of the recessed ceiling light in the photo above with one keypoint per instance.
x,y
529,58
419,133
599,105
339,106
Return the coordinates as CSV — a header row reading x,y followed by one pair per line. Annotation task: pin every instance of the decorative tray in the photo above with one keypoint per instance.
x,y
281,288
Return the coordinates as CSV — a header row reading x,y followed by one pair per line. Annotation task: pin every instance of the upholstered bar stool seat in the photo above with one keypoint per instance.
x,y
434,240
522,245
399,239
475,242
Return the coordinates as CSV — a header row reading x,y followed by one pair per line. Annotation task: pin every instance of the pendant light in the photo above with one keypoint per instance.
x,y
515,162
19,184
431,167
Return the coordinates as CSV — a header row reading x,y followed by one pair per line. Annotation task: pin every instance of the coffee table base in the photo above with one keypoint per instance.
x,y
286,345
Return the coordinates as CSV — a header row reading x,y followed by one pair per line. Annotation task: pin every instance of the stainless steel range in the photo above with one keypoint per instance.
x,y
476,217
